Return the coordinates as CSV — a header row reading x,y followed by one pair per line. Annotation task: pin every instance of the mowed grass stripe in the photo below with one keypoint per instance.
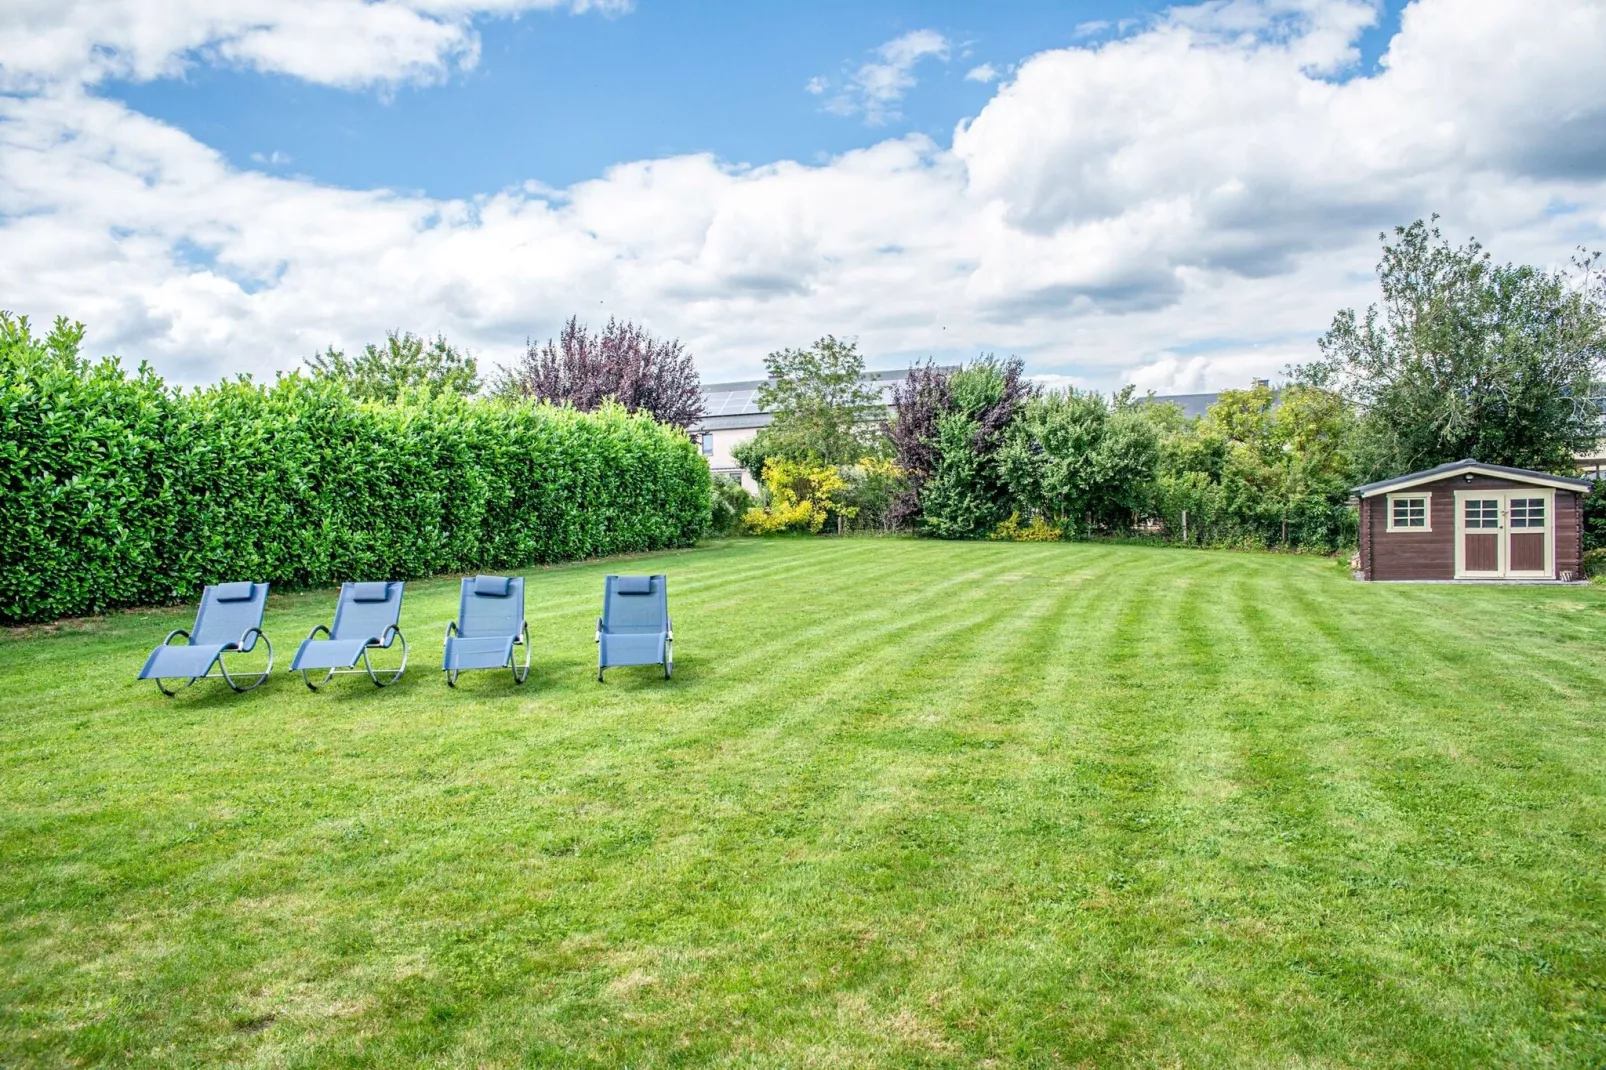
x,y
905,804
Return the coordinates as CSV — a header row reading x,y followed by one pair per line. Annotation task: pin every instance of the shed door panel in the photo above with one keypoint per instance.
x,y
1483,552
1527,551
1530,526
1480,519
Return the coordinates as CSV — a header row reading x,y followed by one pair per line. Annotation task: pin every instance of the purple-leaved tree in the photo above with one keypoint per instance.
x,y
623,361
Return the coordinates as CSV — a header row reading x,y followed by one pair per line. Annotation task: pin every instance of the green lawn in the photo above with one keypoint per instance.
x,y
904,804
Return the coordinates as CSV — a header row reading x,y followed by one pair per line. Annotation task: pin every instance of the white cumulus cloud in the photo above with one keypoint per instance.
x,y
984,74
351,43
1182,207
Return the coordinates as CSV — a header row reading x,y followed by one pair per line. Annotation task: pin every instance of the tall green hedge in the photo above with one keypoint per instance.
x,y
116,490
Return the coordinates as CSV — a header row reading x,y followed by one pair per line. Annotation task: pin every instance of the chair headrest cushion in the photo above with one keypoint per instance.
x,y
377,591
632,585
234,592
493,586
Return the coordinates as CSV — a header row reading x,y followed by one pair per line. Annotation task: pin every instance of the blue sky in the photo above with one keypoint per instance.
x,y
557,97
1176,196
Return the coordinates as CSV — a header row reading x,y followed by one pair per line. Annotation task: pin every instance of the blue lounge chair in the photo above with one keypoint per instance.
x,y
368,617
490,623
634,628
229,621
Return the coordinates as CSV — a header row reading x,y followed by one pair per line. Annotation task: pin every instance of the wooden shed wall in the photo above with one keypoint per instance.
x,y
1430,555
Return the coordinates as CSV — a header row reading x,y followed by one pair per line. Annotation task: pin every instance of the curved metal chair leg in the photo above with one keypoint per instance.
x,y
599,675
399,670
261,677
327,676
451,677
520,674
163,687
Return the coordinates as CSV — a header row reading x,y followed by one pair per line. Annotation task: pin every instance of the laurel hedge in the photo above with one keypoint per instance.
x,y
117,490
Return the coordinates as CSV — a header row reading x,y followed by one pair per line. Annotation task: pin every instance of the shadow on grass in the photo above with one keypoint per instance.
x,y
648,677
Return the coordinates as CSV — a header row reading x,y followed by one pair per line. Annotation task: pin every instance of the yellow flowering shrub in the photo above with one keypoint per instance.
x,y
800,498
1039,530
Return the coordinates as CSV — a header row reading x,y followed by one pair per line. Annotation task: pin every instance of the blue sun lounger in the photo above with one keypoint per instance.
x,y
228,621
634,628
489,624
367,617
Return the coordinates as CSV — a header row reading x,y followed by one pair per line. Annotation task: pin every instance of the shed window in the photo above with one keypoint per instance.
x,y
1482,513
708,444
1408,512
1527,512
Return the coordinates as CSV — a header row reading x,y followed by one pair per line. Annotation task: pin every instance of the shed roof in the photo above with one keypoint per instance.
x,y
1455,468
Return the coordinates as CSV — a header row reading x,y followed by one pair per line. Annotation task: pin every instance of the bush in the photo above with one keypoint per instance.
x,y
1039,530
800,498
728,502
1594,504
1594,563
873,488
119,491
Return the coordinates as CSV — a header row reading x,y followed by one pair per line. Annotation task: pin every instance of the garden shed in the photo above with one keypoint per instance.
x,y
1471,521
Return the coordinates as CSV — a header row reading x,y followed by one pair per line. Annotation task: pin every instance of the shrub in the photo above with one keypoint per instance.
x,y
116,490
946,431
874,486
1595,516
728,502
1039,530
1594,563
800,497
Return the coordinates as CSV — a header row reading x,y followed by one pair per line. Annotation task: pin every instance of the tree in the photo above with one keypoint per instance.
x,y
1468,358
404,364
753,452
1080,463
947,430
820,410
624,362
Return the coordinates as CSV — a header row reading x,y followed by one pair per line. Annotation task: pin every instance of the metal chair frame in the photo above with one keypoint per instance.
x,y
244,645
520,673
384,642
669,650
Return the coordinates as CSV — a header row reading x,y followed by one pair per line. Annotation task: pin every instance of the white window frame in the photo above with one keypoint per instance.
x,y
705,444
1427,510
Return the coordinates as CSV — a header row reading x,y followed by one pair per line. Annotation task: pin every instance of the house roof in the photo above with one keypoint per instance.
x,y
734,405
1191,404
1455,468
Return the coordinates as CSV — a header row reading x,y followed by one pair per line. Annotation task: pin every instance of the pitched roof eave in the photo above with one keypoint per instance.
x,y
1455,468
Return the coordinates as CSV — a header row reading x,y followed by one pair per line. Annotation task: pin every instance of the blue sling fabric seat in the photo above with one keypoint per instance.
x,y
367,618
634,628
490,623
229,620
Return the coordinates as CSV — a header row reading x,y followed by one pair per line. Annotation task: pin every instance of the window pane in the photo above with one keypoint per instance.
x,y
1410,512
1482,513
